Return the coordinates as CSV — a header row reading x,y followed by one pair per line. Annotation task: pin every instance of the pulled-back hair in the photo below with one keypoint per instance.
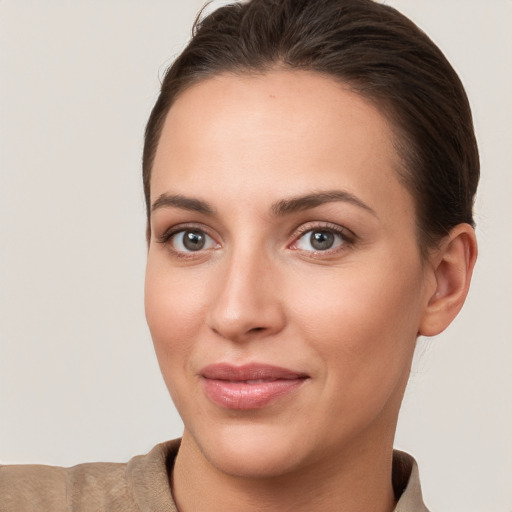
x,y
378,53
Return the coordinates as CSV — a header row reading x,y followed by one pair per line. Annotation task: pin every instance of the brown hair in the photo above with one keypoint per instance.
x,y
381,55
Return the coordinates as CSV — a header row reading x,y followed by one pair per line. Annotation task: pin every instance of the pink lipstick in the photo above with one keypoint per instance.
x,y
250,386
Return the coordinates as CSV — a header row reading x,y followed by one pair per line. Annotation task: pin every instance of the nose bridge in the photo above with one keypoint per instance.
x,y
246,301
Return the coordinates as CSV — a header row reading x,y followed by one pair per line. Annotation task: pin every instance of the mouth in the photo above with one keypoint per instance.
x,y
251,386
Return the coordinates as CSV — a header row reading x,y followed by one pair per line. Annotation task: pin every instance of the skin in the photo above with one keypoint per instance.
x,y
348,317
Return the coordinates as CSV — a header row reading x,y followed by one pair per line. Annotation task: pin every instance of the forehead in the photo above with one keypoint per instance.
x,y
291,129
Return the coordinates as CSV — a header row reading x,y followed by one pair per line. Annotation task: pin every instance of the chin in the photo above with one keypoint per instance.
x,y
251,451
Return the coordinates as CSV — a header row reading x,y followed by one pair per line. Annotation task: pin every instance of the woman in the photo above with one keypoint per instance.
x,y
309,170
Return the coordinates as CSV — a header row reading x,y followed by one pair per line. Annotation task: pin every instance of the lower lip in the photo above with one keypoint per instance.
x,y
245,396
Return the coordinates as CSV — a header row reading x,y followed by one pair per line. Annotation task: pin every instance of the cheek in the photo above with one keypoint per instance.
x,y
364,336
173,308
362,322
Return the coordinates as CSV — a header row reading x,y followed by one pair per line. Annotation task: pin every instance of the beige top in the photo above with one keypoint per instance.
x,y
141,485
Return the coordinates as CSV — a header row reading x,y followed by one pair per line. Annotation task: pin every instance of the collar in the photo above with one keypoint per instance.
x,y
406,483
149,480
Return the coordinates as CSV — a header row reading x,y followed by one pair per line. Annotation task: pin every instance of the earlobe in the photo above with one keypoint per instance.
x,y
453,266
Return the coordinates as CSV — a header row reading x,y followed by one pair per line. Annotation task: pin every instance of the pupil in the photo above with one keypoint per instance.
x,y
193,240
322,240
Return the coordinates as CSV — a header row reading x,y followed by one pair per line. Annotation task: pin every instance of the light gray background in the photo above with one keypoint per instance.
x,y
78,377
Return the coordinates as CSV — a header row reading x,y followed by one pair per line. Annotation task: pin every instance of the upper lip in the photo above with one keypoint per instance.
x,y
251,371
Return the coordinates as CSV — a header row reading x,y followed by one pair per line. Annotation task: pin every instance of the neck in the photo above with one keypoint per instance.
x,y
357,480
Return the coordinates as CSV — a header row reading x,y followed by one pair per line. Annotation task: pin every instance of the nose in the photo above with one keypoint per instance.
x,y
246,301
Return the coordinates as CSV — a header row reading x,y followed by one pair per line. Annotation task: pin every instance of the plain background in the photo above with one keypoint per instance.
x,y
78,377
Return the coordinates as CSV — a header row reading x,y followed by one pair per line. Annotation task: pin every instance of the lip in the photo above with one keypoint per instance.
x,y
251,386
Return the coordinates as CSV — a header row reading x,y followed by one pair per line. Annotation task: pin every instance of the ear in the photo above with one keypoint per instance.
x,y
452,265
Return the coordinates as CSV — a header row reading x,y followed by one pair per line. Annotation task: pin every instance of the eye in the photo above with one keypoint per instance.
x,y
191,240
320,240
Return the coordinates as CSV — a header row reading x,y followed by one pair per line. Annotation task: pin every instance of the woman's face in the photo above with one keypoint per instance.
x,y
284,286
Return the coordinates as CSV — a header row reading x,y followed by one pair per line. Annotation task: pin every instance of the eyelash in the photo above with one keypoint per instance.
x,y
167,235
347,236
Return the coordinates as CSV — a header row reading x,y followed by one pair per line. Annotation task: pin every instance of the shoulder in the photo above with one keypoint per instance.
x,y
36,487
21,488
110,487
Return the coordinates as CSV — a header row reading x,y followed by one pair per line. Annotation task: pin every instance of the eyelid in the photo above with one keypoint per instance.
x,y
348,236
187,226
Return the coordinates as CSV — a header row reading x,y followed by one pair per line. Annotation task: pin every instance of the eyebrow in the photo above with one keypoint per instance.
x,y
300,203
183,202
279,208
